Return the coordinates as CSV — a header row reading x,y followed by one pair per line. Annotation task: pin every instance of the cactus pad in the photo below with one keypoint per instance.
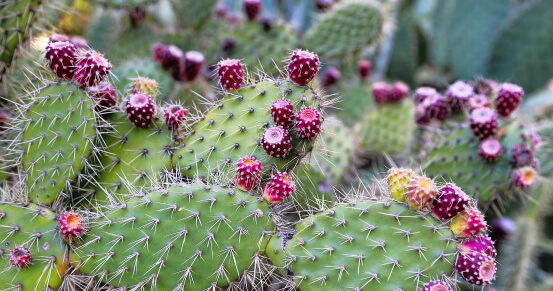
x,y
194,13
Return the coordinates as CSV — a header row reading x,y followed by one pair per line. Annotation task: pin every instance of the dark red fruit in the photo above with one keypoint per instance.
x,y
248,173
308,123
159,52
476,268
58,37
450,201
435,107
280,187
483,122
175,116
521,155
20,257
484,87
421,118
140,109
508,99
479,244
381,92
252,8
489,150
282,111
436,286
458,95
398,92
364,69
231,74
190,67
330,77
137,15
169,56
104,95
479,101
92,69
79,42
71,226
276,142
302,67
61,58
421,93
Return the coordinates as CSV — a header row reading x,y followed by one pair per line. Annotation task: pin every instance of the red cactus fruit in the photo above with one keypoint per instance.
x,y
20,257
450,201
398,92
421,118
104,95
381,92
231,74
330,77
476,268
458,95
283,114
509,97
302,67
276,142
422,192
58,37
79,42
484,87
436,286
192,65
92,68
248,173
169,56
479,244
175,116
364,67
61,56
422,92
71,225
159,52
483,122
468,223
140,110
479,101
308,123
489,150
280,187
435,107
252,8
521,155
524,177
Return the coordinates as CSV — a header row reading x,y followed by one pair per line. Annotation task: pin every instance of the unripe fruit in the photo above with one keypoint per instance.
x,y
302,67
71,226
104,95
280,187
91,69
479,101
422,192
146,86
192,65
61,58
308,123
468,223
422,93
282,112
231,74
521,155
483,122
399,182
276,142
175,116
248,173
479,244
20,257
508,99
168,56
450,201
436,286
524,177
435,107
489,150
140,110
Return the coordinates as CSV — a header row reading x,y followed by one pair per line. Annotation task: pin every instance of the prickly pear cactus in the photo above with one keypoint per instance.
x,y
194,13
57,129
356,102
33,228
346,29
184,237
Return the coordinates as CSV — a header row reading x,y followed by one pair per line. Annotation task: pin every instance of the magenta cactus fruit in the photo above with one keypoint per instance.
x,y
92,68
61,56
175,116
308,123
248,173
283,114
252,8
159,52
458,95
421,118
524,177
276,142
71,226
79,42
483,122
192,65
436,286
484,86
381,92
330,77
422,192
279,187
169,56
140,110
479,244
20,257
364,67
398,92
476,268
468,223
103,94
421,93
450,201
521,155
231,74
435,107
479,101
302,67
509,97
58,37
489,150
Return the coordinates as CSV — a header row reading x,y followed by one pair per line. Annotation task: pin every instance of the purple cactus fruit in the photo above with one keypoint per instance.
x,y
436,286
252,8
159,52
280,187
421,93
137,15
435,107
20,257
479,244
468,223
282,112
104,95
398,92
458,95
489,150
485,87
524,177
521,155
140,110
231,74
421,118
79,42
450,201
509,97
483,122
169,56
476,268
58,37
330,77
190,67
302,67
364,69
501,228
308,123
478,101
92,68
276,142
381,92
61,57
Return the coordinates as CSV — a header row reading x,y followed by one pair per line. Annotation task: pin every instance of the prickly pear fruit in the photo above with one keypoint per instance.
x,y
478,244
398,92
20,257
458,95
252,8
422,92
450,201
276,142
524,177
72,226
103,95
436,286
280,187
308,123
231,74
140,110
422,192
468,223
381,92
398,182
489,150
476,268
283,114
61,58
364,68
483,122
302,67
91,69
175,116
509,97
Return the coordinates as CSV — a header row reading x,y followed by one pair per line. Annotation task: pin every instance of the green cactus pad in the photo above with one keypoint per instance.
x,y
388,129
370,245
34,228
133,42
356,102
194,13
58,132
139,155
234,127
191,236
346,29
455,158
100,35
